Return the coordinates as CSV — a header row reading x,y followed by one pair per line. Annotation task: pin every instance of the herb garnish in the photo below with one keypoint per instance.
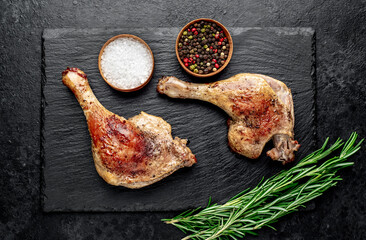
x,y
271,199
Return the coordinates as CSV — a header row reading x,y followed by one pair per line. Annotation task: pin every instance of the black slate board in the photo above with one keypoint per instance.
x,y
70,180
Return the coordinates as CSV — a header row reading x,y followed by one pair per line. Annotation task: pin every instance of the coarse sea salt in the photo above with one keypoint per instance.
x,y
126,63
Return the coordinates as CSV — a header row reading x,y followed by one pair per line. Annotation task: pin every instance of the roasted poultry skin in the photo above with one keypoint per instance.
x,y
260,109
132,153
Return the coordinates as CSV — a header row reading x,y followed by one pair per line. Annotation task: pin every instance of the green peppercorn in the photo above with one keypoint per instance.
x,y
192,67
195,70
203,30
205,46
185,33
203,38
180,44
213,34
190,37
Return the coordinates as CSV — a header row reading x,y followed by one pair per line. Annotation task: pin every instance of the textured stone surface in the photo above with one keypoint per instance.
x,y
341,97
71,182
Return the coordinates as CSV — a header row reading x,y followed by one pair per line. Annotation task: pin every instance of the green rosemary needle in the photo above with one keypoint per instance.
x,y
271,199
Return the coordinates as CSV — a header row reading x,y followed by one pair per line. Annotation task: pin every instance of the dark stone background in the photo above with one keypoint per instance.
x,y
341,100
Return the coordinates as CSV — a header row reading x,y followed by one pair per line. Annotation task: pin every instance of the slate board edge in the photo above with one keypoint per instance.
x,y
314,88
306,31
42,126
46,33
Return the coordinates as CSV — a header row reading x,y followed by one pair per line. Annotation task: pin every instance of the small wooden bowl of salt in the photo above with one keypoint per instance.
x,y
126,63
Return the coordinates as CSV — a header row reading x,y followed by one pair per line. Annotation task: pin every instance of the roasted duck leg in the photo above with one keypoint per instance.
x,y
260,108
132,153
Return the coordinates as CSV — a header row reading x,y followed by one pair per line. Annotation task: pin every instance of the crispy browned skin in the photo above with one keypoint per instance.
x,y
260,108
132,153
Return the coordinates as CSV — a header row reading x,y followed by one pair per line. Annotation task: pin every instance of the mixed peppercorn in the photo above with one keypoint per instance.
x,y
203,47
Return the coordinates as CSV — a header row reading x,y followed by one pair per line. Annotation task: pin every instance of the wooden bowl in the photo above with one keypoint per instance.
x,y
126,36
227,34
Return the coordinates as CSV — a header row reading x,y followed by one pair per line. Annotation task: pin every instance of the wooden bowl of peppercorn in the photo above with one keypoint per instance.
x,y
204,47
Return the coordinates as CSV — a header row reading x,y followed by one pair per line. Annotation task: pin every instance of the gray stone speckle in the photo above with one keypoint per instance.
x,y
341,100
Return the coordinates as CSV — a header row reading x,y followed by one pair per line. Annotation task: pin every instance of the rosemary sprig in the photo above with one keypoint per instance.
x,y
271,199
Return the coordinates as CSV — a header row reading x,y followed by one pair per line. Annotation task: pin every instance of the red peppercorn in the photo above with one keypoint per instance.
x,y
194,62
221,39
189,30
211,47
186,64
217,36
214,60
221,31
215,50
185,60
197,56
219,43
194,29
190,59
217,65
195,33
